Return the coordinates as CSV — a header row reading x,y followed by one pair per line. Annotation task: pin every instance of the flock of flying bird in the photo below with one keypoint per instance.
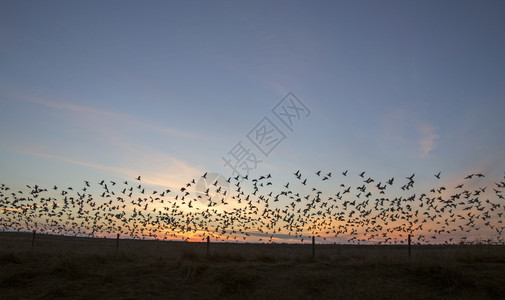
x,y
359,210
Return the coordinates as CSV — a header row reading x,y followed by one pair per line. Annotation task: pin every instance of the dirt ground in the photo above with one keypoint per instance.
x,y
84,268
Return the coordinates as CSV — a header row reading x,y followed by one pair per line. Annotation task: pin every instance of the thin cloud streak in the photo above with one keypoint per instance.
x,y
152,177
116,170
405,129
428,137
85,110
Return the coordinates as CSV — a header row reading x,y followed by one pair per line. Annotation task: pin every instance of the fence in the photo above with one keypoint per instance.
x,y
45,240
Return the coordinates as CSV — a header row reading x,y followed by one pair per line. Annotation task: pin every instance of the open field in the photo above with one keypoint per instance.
x,y
68,267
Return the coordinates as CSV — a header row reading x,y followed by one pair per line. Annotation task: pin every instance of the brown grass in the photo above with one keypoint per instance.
x,y
83,268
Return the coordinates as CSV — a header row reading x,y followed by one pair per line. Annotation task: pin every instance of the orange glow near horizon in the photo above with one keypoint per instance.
x,y
141,212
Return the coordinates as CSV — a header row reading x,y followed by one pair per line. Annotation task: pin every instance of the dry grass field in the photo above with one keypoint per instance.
x,y
86,268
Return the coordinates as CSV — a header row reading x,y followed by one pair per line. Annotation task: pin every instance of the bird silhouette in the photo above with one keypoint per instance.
x,y
242,209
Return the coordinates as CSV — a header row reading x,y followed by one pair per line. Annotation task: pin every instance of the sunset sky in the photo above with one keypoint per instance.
x,y
93,90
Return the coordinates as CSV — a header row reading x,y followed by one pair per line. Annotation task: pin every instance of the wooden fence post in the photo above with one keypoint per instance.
x,y
409,246
313,247
208,245
117,242
33,238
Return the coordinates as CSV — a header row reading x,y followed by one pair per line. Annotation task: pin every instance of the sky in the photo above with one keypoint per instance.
x,y
93,90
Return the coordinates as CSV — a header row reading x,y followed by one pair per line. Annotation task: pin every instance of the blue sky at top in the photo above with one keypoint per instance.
x,y
117,89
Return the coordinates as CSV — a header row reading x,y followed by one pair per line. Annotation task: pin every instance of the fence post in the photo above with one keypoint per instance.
x,y
208,245
409,246
313,247
117,242
33,238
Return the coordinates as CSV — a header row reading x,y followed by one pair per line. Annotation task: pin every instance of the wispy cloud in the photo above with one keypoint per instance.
x,y
153,173
116,170
121,140
427,138
404,128
61,105
103,114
